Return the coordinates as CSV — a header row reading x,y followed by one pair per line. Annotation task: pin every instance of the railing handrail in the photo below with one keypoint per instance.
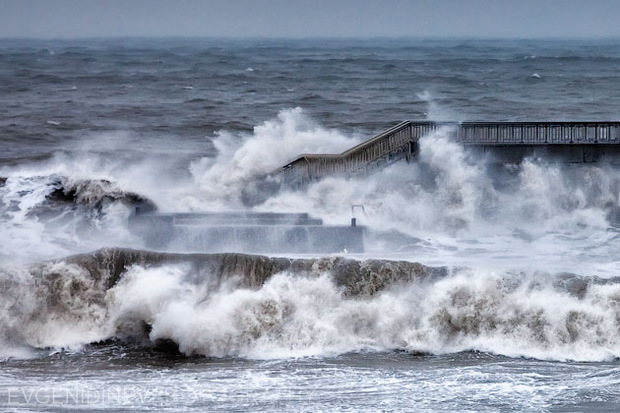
x,y
359,146
538,133
538,123
399,141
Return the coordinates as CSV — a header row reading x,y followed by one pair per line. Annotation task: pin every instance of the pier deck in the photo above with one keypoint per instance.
x,y
506,141
249,232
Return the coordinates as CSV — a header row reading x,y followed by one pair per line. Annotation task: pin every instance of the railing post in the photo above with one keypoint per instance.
x,y
596,134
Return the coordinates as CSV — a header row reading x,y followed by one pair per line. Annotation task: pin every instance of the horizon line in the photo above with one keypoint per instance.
x,y
311,38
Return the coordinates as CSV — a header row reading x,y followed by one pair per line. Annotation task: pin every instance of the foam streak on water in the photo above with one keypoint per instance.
x,y
358,382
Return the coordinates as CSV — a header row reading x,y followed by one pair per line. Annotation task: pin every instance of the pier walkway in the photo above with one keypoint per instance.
x,y
581,142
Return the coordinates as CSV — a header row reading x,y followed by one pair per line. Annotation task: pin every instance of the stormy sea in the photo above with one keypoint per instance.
x,y
481,288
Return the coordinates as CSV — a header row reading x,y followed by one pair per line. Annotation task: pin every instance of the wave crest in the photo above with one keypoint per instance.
x,y
258,307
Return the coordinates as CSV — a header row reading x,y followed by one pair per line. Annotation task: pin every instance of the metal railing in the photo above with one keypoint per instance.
x,y
394,144
538,133
400,142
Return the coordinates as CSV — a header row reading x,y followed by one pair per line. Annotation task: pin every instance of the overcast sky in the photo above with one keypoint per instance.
x,y
310,18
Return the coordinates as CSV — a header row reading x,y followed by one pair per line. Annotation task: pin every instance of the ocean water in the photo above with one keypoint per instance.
x,y
522,313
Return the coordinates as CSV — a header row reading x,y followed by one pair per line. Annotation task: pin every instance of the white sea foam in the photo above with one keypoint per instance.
x,y
446,207
152,169
515,315
58,305
241,158
519,315
35,227
456,211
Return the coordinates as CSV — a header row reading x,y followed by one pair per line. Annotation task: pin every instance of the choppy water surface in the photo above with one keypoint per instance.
x,y
112,379
524,317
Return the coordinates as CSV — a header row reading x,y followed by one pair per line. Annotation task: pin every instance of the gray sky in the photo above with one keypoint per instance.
x,y
310,18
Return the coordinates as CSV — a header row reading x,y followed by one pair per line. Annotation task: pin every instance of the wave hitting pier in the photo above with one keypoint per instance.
x,y
249,232
506,142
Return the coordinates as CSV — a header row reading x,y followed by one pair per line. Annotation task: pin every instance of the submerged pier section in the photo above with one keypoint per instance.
x,y
580,142
244,231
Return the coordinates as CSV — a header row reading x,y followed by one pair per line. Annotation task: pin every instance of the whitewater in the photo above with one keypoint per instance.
x,y
483,287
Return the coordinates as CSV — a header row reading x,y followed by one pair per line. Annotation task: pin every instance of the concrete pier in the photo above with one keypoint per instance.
x,y
249,232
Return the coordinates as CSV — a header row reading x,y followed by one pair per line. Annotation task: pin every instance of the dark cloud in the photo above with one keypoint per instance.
x,y
310,18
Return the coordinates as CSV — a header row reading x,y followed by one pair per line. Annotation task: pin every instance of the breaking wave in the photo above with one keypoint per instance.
x,y
449,207
242,158
47,215
257,307
518,228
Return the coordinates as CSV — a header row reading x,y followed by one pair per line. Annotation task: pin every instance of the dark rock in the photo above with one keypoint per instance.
x,y
86,195
95,194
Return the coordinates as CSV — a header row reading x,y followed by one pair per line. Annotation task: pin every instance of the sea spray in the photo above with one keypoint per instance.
x,y
55,304
296,316
258,307
446,196
450,190
68,302
448,207
43,216
138,112
241,159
